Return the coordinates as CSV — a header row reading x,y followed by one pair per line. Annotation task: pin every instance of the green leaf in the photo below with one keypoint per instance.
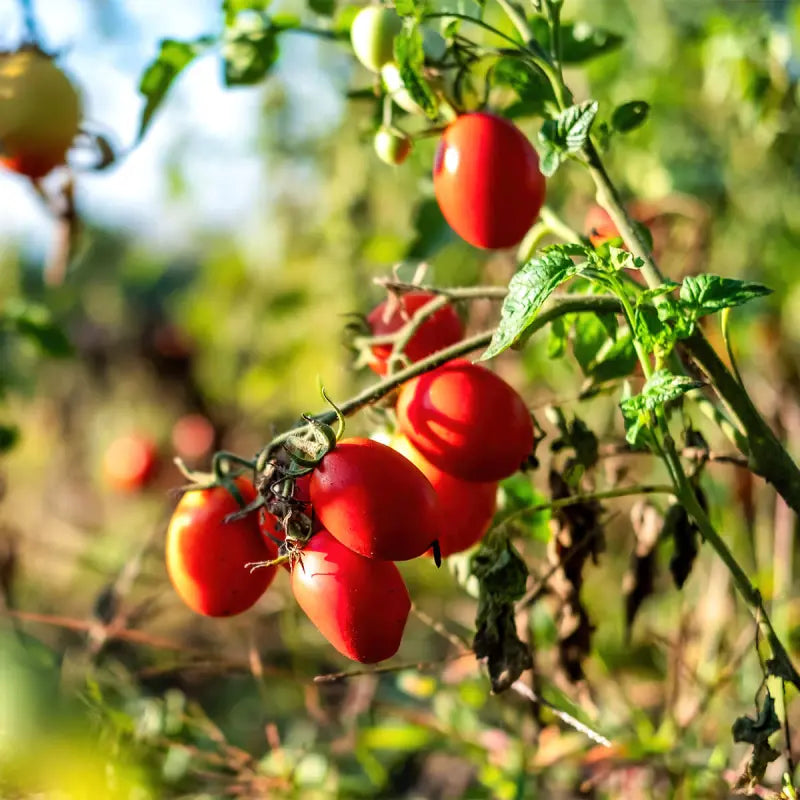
x,y
9,436
35,322
410,57
706,294
591,333
580,42
566,134
528,289
173,57
249,51
324,7
530,84
629,116
233,7
557,338
616,361
663,387
406,8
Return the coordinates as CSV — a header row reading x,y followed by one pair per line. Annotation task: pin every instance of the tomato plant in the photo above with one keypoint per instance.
x,y
206,556
375,501
467,506
443,328
391,146
467,421
358,604
40,113
130,462
487,180
372,36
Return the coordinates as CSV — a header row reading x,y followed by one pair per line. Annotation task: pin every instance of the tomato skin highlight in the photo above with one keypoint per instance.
x,y
130,462
206,556
438,331
487,181
467,506
359,605
466,421
374,501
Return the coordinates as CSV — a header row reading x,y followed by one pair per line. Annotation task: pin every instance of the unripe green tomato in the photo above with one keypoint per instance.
x,y
392,147
372,35
40,113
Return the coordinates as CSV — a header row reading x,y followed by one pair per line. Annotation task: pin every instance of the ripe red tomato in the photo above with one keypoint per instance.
x,y
467,421
467,507
130,462
439,330
39,113
206,556
374,501
360,605
487,180
193,436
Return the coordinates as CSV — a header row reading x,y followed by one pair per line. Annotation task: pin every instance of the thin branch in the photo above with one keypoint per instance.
x,y
421,666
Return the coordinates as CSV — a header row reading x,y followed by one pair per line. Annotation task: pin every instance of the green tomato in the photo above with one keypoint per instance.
x,y
372,36
391,146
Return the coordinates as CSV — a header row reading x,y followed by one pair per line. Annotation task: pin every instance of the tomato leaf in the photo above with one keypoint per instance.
x,y
9,436
35,322
410,57
757,732
326,8
249,50
566,134
706,294
502,575
233,7
173,57
629,116
580,42
528,289
533,89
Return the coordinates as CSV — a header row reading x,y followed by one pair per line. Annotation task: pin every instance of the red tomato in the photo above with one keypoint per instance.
x,y
193,436
438,331
206,556
374,501
360,605
130,462
487,181
467,507
466,421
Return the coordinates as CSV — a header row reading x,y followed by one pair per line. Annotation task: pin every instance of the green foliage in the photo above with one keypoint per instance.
x,y
249,50
707,294
565,135
35,323
528,289
630,116
534,92
410,61
580,42
173,57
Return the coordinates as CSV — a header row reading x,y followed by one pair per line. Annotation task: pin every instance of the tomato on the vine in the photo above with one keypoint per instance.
x,y
374,501
130,462
467,421
360,605
40,113
441,329
372,35
467,506
206,556
487,180
391,146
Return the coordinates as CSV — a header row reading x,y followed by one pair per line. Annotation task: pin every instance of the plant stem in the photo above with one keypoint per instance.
x,y
750,594
598,304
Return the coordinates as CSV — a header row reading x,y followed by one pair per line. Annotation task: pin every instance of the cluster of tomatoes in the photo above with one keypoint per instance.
x,y
340,513
486,173
40,113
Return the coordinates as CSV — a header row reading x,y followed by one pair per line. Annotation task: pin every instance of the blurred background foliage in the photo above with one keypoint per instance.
x,y
109,687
